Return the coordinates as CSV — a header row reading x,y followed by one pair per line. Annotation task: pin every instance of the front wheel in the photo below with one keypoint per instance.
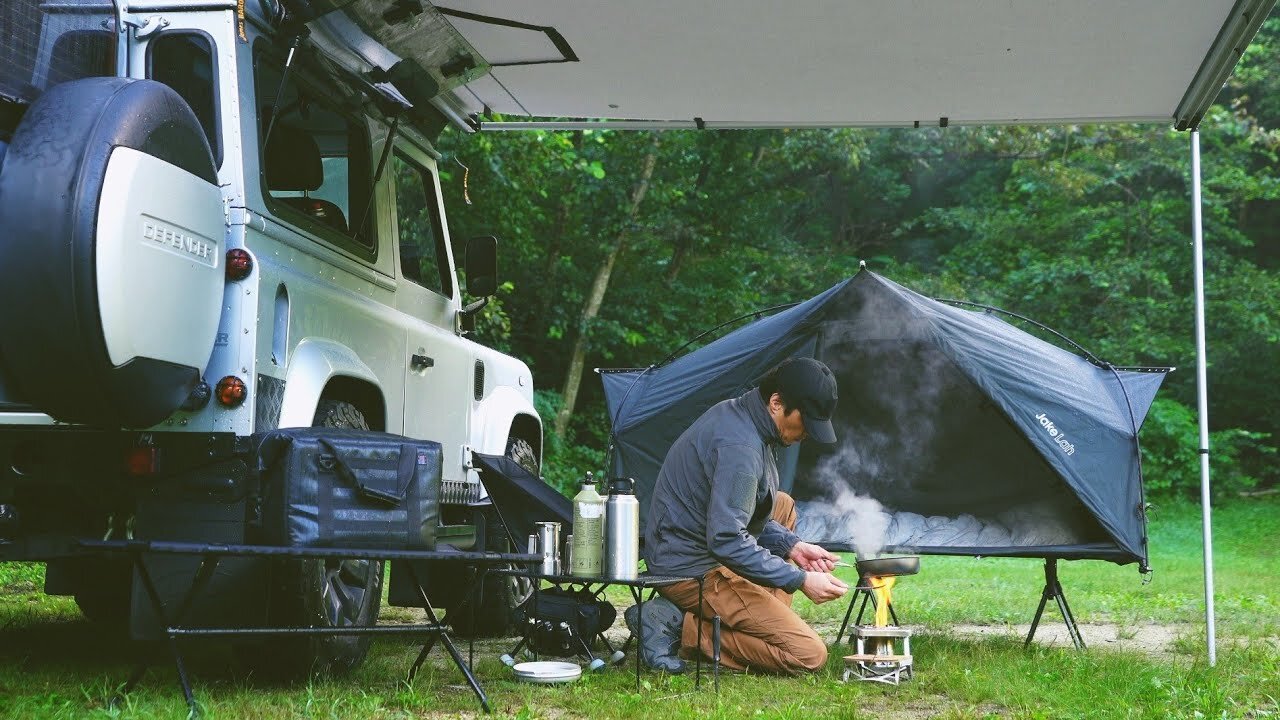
x,y
495,616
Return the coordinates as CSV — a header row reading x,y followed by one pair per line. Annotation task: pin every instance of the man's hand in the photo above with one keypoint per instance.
x,y
821,587
812,558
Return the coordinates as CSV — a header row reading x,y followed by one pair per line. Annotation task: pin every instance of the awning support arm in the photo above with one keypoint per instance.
x,y
1202,392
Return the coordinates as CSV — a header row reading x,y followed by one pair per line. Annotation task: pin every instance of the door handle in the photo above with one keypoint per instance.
x,y
421,362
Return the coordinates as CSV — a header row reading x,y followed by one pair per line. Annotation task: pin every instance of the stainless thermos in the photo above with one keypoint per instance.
x,y
622,531
548,546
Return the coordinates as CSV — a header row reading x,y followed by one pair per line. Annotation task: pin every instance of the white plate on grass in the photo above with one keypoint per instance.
x,y
547,671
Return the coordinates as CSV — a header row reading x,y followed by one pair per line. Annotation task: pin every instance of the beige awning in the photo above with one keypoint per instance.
x,y
765,63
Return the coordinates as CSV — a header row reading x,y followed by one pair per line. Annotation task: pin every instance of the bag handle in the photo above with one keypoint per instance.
x,y
369,493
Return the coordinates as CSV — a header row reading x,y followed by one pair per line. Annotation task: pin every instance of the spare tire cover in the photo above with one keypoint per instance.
x,y
112,243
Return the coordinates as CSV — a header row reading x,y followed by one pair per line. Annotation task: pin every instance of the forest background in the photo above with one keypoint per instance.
x,y
617,247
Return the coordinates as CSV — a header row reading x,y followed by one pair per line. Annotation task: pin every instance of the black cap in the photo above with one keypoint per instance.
x,y
809,385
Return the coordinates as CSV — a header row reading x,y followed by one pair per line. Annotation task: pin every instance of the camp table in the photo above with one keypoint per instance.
x,y
171,624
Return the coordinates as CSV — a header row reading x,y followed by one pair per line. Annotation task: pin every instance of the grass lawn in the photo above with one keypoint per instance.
x,y
968,649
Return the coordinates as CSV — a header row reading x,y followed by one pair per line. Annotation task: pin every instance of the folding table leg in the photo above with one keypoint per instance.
x,y
638,595
586,649
422,656
697,675
509,658
457,660
443,636
430,642
715,650
207,566
537,588
615,656
477,595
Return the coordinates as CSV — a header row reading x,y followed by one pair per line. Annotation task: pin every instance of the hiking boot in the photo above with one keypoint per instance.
x,y
661,637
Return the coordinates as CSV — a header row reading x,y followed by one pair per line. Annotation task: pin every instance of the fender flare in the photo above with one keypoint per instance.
x,y
495,417
312,364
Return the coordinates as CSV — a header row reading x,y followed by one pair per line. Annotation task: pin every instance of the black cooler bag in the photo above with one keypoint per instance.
x,y
333,487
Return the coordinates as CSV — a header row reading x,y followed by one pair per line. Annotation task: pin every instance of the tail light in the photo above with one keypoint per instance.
x,y
231,391
142,461
239,264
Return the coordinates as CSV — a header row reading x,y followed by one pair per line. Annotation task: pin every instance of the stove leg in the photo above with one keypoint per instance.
x,y
868,595
847,614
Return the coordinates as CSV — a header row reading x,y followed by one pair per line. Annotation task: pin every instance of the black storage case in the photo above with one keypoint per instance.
x,y
332,487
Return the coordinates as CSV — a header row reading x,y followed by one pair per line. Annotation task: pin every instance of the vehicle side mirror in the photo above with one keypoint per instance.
x,y
482,266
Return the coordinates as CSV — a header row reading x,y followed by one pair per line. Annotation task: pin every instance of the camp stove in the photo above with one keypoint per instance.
x,y
883,654
882,649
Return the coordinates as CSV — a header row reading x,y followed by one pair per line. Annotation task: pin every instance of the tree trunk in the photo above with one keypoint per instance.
x,y
684,236
573,378
561,225
681,246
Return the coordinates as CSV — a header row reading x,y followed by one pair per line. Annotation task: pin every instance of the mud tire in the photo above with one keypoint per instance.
x,y
323,593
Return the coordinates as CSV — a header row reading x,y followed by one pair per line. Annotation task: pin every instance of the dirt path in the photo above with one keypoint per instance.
x,y
1153,640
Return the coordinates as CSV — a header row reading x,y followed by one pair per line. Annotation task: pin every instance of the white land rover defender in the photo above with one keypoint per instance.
x,y
219,217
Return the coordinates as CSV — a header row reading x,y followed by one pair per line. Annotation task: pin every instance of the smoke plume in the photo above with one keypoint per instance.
x,y
865,520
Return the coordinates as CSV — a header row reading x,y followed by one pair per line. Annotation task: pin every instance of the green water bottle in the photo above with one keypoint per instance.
x,y
588,531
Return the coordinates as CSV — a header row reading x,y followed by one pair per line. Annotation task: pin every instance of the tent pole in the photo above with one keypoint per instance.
x,y
1202,393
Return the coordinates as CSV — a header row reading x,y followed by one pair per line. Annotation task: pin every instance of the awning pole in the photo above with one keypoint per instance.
x,y
1202,392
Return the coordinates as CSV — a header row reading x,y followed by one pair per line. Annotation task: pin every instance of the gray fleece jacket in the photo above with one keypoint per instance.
x,y
713,501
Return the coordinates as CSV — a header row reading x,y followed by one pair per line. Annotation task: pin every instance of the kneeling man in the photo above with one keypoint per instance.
x,y
716,511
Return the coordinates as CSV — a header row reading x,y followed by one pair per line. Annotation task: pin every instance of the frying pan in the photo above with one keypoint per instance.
x,y
889,566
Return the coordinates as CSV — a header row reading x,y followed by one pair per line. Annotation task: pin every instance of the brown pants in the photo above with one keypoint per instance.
x,y
758,629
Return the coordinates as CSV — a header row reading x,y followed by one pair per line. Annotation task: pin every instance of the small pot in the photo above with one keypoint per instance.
x,y
889,566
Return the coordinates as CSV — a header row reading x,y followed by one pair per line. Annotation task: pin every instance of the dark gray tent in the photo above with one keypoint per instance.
x,y
972,436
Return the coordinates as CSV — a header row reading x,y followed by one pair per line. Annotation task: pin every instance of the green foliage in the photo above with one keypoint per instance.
x,y
563,463
1170,458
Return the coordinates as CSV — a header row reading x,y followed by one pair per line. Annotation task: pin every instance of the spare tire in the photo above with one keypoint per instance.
x,y
111,258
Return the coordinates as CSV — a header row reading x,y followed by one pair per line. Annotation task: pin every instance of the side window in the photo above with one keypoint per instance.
x,y
315,162
422,253
184,62
44,43
81,54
